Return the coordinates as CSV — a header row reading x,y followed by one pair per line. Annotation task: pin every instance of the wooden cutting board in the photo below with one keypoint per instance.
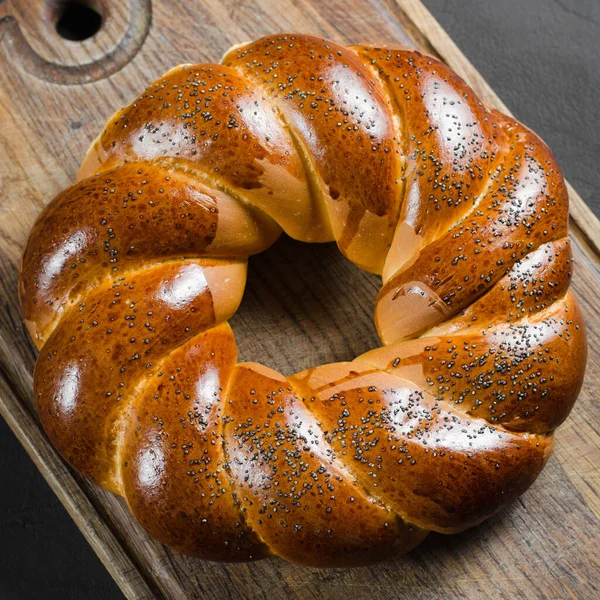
x,y
304,305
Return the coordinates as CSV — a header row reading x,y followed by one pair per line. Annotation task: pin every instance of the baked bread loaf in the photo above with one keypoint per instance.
x,y
130,275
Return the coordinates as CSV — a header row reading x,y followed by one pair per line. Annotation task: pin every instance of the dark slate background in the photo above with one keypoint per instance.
x,y
542,57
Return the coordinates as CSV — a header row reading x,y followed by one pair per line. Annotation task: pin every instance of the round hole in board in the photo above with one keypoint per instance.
x,y
77,20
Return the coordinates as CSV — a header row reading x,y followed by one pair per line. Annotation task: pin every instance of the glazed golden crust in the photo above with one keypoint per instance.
x,y
174,468
343,121
130,275
292,485
525,206
428,462
108,224
448,156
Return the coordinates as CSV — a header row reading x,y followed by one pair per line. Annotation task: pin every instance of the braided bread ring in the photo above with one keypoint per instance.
x,y
130,275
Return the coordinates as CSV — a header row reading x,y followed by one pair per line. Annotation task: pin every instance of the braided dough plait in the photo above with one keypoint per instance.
x,y
130,275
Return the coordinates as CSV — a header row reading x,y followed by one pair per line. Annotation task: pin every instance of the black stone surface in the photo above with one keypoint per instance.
x,y
542,57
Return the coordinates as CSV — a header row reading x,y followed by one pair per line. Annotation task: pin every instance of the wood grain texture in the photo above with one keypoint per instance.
x,y
304,305
123,35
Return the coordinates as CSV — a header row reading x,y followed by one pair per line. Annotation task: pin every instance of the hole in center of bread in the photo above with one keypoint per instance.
x,y
305,305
